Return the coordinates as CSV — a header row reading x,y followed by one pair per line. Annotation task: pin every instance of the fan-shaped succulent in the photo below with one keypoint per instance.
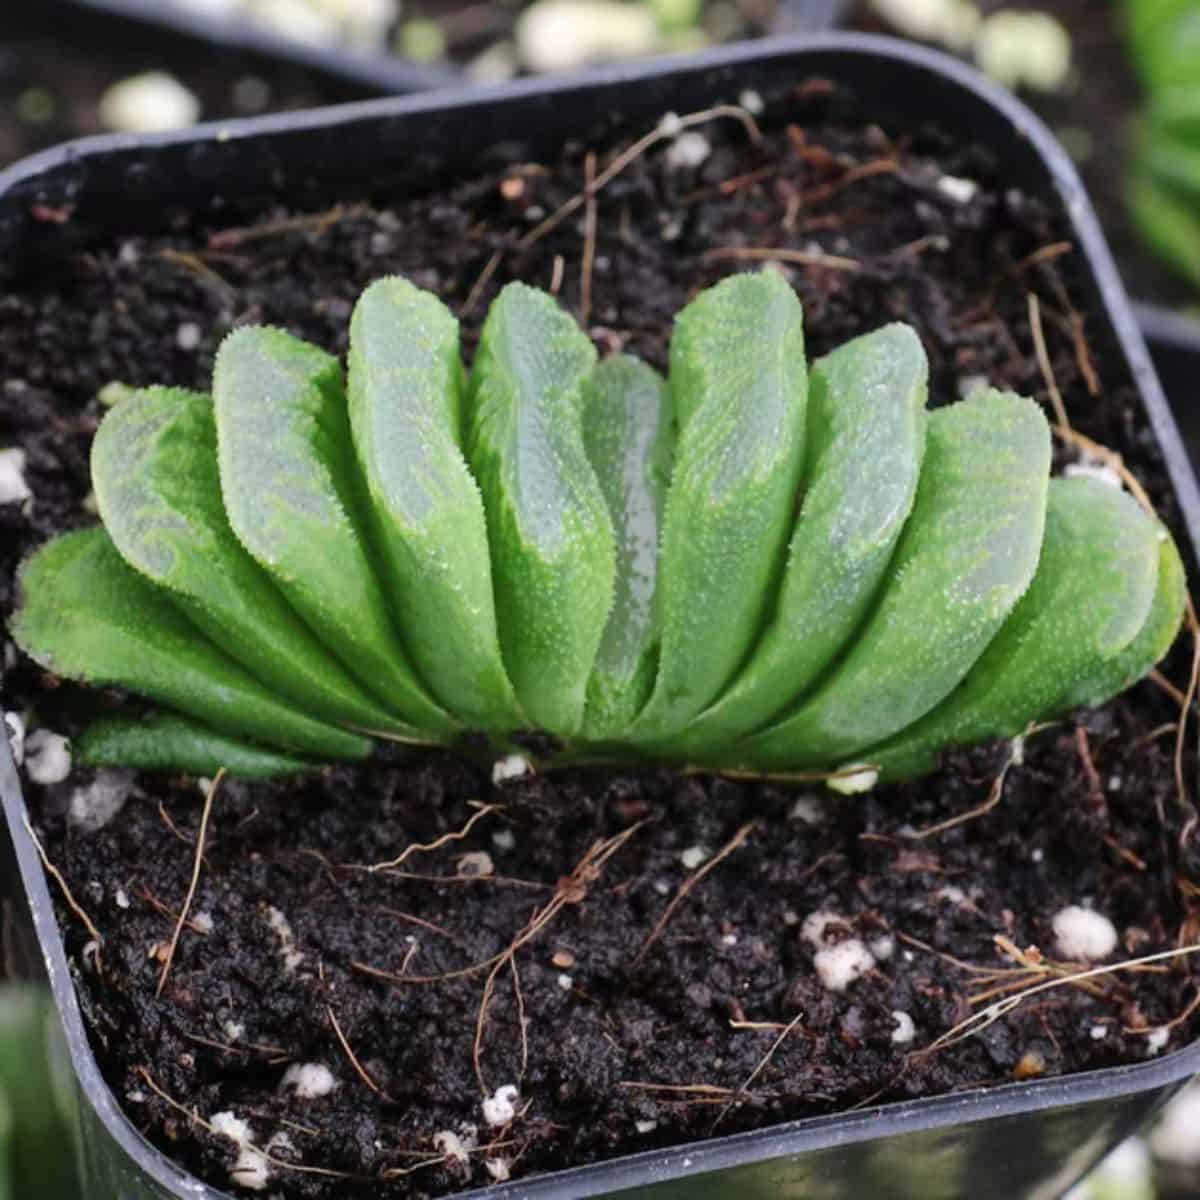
x,y
751,564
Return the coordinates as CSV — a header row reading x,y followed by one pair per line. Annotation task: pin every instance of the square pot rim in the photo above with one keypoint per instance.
x,y
785,1139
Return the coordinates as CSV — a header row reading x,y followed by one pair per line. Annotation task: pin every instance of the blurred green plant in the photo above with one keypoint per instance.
x,y
748,565
1164,190
37,1157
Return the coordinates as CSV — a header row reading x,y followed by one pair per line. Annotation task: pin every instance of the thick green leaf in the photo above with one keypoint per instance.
x,y
866,439
1170,226
1151,25
549,531
154,470
39,1146
1152,642
738,381
629,434
288,479
1167,44
1175,112
965,558
87,615
165,742
1174,164
1096,581
425,511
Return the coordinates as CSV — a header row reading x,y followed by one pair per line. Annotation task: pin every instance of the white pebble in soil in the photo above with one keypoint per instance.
x,y
688,151
1157,1039
451,1145
1082,934
47,757
95,804
187,336
153,102
14,728
692,857
251,1170
905,1029
840,965
853,780
13,488
515,766
559,35
808,810
501,1107
288,951
309,1081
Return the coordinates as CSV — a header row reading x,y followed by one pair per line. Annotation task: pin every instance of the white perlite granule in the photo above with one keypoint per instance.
x,y
251,1170
839,966
13,488
95,804
515,766
853,780
47,757
500,1107
310,1081
291,956
905,1029
1082,934
153,102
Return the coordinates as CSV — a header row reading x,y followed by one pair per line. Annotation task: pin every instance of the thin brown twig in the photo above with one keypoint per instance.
x,y
429,847
521,1022
589,241
315,223
979,1021
571,889
173,944
762,1063
994,796
1043,360
360,1070
170,824
806,258
195,1117
701,1089
478,286
878,166
658,134
72,903
691,881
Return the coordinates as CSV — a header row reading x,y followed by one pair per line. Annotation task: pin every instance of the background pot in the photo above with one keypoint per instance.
x,y
1020,1140
175,27
1174,341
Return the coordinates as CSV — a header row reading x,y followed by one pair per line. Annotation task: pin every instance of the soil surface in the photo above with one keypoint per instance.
x,y
1094,117
52,78
633,983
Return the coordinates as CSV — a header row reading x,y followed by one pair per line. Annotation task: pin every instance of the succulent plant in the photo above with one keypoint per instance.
x,y
750,565
1164,188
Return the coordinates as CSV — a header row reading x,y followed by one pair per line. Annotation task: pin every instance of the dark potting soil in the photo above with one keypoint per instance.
x,y
52,78
1094,116
650,977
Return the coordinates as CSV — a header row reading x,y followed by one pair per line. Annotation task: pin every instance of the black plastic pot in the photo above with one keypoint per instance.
x,y
170,25
1174,341
1028,1140
361,75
